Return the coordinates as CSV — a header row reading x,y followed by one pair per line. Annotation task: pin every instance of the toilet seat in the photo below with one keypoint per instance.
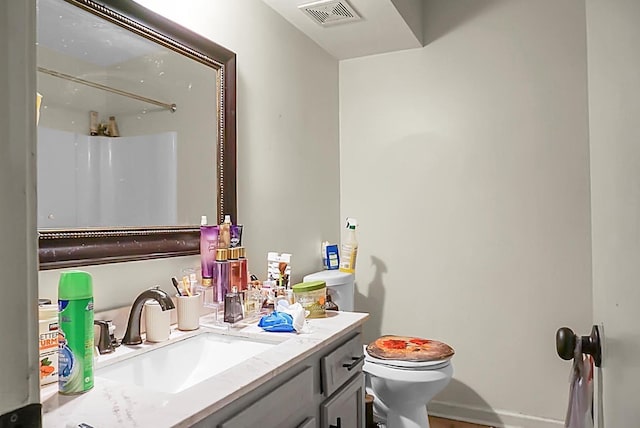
x,y
410,371
408,365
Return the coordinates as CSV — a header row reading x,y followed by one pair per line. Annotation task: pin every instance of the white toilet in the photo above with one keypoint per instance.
x,y
402,389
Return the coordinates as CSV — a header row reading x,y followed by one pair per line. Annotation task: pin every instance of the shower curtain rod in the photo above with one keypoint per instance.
x,y
171,107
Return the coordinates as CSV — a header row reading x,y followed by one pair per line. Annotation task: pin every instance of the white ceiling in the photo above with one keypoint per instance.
x,y
386,25
72,31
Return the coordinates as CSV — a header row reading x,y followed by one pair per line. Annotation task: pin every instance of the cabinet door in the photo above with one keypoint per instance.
x,y
345,408
287,406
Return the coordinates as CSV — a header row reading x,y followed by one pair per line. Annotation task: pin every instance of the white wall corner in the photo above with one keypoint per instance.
x,y
412,13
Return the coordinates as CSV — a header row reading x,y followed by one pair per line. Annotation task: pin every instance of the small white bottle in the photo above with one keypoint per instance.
x,y
349,248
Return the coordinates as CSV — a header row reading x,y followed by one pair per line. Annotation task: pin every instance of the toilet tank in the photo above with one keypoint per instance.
x,y
339,284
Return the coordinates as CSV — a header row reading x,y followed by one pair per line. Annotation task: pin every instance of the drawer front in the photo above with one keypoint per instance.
x,y
340,365
287,406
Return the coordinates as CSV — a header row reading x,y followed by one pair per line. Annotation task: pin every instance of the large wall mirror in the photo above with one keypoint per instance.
x,y
136,133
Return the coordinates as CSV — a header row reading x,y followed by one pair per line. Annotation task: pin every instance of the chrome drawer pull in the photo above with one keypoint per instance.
x,y
353,365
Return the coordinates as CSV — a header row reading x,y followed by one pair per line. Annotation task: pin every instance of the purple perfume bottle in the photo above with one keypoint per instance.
x,y
221,275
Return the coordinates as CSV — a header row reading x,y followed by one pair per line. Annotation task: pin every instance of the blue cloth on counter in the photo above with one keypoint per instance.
x,y
277,321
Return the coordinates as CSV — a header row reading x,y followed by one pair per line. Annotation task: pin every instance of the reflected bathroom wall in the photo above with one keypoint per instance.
x,y
89,181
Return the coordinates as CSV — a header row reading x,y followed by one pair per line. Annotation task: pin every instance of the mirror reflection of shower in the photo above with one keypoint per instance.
x,y
96,181
96,77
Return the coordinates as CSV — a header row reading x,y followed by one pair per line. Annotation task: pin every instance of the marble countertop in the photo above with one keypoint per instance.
x,y
114,404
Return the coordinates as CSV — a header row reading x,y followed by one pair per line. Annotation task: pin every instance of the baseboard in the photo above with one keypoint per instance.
x,y
490,417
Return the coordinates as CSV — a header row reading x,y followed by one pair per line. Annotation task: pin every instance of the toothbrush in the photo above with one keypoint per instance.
x,y
175,284
186,285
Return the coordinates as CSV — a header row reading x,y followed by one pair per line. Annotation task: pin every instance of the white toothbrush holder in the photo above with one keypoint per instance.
x,y
157,322
189,311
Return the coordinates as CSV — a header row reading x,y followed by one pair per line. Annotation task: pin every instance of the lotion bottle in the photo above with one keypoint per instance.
x,y
208,247
225,233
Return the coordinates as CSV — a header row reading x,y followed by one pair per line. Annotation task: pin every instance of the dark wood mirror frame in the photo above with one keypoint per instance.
x,y
80,247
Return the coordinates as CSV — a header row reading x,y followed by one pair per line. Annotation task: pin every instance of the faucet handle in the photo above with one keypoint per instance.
x,y
105,342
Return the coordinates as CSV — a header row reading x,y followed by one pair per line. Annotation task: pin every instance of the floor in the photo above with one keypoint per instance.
x,y
448,423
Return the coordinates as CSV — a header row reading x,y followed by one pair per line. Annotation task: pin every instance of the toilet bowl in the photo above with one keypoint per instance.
x,y
402,389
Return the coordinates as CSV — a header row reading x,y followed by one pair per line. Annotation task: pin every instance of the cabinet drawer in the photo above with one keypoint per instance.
x,y
341,364
287,406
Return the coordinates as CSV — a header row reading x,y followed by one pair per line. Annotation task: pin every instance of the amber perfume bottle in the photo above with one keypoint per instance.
x,y
235,279
244,269
221,275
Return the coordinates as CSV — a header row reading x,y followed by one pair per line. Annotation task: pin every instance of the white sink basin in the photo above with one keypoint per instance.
x,y
178,366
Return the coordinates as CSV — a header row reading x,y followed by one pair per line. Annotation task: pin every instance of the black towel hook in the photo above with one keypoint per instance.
x,y
566,344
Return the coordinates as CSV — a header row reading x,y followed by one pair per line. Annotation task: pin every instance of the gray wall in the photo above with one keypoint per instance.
x,y
614,107
19,382
466,163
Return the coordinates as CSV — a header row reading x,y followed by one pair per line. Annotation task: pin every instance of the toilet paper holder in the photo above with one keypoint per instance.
x,y
566,341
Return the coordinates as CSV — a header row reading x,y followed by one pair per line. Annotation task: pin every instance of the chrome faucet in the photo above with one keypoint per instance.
x,y
132,335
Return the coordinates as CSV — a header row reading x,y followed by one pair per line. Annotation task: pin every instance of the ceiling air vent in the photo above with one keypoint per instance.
x,y
330,12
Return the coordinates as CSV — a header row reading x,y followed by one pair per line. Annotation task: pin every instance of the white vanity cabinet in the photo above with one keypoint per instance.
x,y
325,390
309,380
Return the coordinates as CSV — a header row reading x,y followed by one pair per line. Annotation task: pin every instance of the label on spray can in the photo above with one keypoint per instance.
x,y
75,345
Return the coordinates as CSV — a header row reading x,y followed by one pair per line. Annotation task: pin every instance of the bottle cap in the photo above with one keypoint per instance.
x,y
221,254
242,252
227,218
203,220
75,285
234,253
351,223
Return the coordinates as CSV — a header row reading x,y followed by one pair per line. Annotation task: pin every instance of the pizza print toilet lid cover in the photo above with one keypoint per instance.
x,y
405,348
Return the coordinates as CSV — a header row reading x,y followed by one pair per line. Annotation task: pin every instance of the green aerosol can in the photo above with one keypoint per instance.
x,y
75,339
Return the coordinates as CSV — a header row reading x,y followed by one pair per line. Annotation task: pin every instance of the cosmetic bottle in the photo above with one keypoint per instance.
x,y
236,235
224,241
93,123
221,273
233,311
349,248
235,278
208,247
252,301
329,304
113,127
244,268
